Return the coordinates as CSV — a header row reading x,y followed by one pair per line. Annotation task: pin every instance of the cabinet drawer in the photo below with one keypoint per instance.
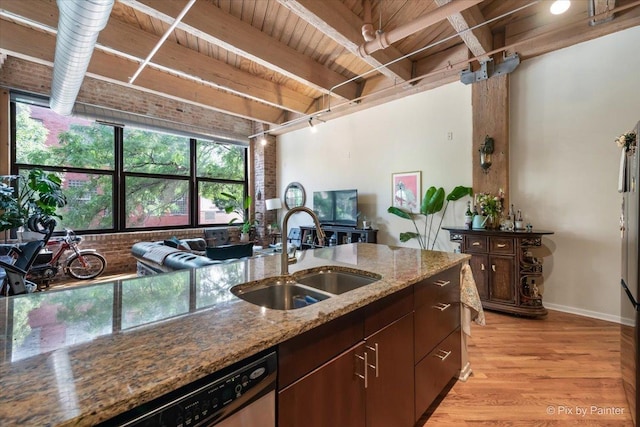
x,y
435,371
433,290
475,244
501,245
433,323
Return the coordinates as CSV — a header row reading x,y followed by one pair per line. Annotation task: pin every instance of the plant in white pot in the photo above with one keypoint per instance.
x,y
241,208
21,197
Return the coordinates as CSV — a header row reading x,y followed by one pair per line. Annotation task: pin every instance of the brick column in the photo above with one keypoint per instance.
x,y
264,181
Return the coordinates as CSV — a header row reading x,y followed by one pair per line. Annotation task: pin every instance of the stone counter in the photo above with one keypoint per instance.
x,y
83,355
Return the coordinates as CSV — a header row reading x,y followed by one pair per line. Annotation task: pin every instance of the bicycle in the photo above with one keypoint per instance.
x,y
82,264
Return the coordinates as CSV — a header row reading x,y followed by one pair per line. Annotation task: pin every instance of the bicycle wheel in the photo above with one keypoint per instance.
x,y
86,266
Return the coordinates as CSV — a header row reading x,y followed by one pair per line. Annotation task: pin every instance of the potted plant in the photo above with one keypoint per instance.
x,y
432,203
39,193
241,208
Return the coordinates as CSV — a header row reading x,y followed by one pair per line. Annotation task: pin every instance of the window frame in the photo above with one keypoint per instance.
x,y
118,175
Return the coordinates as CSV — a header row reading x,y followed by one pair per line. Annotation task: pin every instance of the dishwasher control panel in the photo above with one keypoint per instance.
x,y
208,400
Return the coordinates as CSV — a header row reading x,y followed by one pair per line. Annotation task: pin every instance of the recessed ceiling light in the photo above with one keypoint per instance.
x,y
560,6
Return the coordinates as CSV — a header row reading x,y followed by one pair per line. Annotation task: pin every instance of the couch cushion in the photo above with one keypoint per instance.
x,y
230,251
216,236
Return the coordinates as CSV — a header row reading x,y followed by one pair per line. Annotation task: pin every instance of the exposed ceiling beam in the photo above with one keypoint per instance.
x,y
210,23
337,21
603,6
548,38
117,36
479,41
40,47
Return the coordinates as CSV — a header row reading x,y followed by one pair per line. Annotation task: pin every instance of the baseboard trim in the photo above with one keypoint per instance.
x,y
586,313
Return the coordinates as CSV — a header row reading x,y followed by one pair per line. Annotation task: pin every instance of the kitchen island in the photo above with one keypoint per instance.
x,y
83,355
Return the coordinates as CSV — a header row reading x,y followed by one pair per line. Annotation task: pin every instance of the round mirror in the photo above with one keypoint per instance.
x,y
294,195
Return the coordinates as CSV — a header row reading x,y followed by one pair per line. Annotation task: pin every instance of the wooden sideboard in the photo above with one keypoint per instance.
x,y
505,268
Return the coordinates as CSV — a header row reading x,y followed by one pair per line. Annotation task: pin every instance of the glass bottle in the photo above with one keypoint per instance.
x,y
468,216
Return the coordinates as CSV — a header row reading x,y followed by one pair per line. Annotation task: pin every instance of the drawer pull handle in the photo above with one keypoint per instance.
x,y
475,244
502,245
493,267
366,362
442,355
442,283
375,350
441,306
482,267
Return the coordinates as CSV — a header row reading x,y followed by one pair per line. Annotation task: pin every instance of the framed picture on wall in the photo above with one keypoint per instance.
x,y
406,190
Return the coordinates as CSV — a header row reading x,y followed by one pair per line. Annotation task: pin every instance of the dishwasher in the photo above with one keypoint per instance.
x,y
240,395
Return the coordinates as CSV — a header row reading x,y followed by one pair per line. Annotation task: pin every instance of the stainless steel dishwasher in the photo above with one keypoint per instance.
x,y
240,395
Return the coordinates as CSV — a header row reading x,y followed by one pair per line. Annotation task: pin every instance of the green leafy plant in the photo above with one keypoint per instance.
x,y
432,203
240,207
21,197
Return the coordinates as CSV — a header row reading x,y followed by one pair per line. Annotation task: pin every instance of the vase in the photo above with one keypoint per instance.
x,y
493,222
244,237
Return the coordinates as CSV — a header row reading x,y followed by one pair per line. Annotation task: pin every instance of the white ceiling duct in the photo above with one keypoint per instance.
x,y
79,24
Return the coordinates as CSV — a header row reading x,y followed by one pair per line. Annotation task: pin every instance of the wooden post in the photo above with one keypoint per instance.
x,y
490,104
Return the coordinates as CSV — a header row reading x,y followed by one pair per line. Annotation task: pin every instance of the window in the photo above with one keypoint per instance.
x,y
120,178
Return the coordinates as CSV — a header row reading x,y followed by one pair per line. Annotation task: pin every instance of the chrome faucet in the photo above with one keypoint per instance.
x,y
284,260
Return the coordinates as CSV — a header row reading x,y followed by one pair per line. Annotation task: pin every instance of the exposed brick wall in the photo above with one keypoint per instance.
x,y
24,75
31,77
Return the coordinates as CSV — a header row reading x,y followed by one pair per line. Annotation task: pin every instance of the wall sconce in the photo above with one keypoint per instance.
x,y
486,150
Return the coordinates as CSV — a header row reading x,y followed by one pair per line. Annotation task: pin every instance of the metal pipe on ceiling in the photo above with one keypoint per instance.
x,y
386,39
79,24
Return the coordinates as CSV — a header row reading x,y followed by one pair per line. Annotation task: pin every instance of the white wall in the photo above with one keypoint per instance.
x,y
362,150
567,108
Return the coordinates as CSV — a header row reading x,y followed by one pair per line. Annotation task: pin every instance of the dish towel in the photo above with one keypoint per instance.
x,y
470,298
622,174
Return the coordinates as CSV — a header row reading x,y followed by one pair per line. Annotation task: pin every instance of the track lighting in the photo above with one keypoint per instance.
x,y
312,126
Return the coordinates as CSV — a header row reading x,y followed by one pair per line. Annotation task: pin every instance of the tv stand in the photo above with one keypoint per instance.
x,y
342,234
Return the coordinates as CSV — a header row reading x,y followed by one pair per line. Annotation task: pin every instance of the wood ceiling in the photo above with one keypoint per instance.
x,y
280,62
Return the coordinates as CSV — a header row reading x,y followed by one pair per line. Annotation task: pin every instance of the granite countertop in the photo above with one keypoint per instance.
x,y
82,355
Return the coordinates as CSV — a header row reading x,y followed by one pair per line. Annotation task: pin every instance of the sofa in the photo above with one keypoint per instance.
x,y
179,254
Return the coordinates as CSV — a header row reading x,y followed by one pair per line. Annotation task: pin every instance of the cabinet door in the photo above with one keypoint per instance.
x,y
332,395
480,268
502,286
390,396
435,371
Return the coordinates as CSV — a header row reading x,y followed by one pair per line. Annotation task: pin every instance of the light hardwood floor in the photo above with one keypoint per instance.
x,y
563,370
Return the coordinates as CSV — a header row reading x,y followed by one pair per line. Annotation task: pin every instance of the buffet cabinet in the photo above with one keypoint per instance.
x,y
507,273
336,235
383,365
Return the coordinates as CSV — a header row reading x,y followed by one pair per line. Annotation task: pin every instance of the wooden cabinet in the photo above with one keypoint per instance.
x,y
437,349
369,384
336,235
331,395
383,365
505,268
390,383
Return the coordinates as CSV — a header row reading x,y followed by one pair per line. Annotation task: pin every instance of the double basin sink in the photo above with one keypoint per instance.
x,y
303,288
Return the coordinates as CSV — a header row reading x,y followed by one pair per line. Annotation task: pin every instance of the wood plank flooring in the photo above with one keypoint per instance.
x,y
559,371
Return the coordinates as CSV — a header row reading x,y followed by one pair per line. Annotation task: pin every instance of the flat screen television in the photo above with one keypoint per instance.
x,y
337,207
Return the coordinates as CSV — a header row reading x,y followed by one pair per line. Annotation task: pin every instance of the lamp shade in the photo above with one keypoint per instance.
x,y
272,204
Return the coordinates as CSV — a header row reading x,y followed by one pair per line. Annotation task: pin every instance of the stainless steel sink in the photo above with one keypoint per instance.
x,y
336,281
278,293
